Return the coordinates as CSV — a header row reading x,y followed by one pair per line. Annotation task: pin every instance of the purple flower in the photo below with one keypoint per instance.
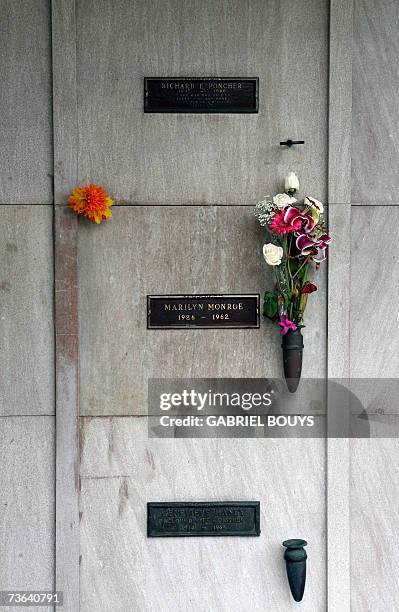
x,y
313,246
286,324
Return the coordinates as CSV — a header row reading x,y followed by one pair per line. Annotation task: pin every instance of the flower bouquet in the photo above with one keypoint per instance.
x,y
297,242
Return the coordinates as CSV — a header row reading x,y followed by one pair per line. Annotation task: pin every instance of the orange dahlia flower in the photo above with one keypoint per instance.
x,y
91,201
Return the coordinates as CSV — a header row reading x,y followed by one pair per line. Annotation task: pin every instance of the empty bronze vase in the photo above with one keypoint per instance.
x,y
295,559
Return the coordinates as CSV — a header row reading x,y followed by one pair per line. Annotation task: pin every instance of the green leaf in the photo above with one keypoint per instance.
x,y
270,307
294,265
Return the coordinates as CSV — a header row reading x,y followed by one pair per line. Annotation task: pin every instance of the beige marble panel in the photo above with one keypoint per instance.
x,y
122,570
375,132
26,163
374,312
374,525
26,310
374,292
27,504
339,189
65,139
182,250
196,159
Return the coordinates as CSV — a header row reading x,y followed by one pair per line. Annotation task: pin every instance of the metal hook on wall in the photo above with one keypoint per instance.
x,y
288,143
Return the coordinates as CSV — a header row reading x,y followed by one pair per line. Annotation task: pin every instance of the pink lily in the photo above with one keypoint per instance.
x,y
292,214
316,247
286,324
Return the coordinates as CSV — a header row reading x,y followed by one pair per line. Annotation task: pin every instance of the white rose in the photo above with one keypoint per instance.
x,y
313,203
272,254
291,182
282,199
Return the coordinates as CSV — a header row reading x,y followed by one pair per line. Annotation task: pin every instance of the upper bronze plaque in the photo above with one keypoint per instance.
x,y
200,95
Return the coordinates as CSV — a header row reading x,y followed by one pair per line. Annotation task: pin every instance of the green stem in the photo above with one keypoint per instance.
x,y
288,264
278,280
291,277
300,313
300,268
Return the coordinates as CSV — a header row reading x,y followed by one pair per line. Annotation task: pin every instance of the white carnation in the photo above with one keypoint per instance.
x,y
283,199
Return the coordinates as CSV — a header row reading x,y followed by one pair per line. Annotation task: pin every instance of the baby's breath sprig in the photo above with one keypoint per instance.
x,y
264,211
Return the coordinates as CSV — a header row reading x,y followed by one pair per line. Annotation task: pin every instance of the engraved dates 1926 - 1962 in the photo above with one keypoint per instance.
x,y
203,311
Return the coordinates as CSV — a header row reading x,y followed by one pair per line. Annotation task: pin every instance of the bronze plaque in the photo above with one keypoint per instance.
x,y
201,95
168,519
202,311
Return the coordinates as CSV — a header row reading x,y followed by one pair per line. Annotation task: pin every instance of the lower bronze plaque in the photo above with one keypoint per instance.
x,y
200,95
168,519
202,311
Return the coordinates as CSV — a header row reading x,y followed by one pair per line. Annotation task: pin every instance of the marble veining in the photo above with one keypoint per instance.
x,y
26,310
182,250
121,569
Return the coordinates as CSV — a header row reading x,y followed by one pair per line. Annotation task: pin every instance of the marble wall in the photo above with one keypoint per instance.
x,y
184,188
183,250
374,312
26,155
27,505
27,423
185,159
26,310
122,469
375,128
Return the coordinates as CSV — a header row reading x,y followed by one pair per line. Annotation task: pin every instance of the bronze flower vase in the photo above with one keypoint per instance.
x,y
295,559
292,346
